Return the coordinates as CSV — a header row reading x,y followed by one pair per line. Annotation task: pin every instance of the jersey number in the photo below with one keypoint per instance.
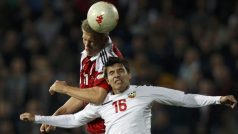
x,y
85,81
120,105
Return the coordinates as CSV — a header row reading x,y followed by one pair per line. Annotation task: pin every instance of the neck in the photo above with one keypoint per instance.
x,y
121,90
100,49
105,44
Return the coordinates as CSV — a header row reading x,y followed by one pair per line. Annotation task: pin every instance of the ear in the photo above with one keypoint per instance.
x,y
130,77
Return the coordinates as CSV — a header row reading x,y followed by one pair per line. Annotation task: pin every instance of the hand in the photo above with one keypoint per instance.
x,y
58,87
228,100
27,117
46,128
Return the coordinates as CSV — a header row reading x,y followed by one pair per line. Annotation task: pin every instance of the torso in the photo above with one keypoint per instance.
x,y
92,67
128,112
91,74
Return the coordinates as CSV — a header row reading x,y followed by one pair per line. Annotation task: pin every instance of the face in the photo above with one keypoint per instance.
x,y
118,78
93,44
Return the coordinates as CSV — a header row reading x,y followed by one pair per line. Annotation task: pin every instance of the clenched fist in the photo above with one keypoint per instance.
x,y
46,128
27,117
228,100
58,87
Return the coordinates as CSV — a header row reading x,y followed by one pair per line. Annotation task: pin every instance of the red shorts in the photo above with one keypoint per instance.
x,y
96,126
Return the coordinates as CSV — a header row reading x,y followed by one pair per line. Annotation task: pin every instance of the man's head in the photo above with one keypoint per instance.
x,y
117,74
93,41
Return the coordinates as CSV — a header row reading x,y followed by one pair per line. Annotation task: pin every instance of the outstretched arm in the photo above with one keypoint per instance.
x,y
179,98
78,98
196,100
71,106
65,121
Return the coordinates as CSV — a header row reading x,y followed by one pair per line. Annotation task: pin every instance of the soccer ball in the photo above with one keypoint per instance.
x,y
102,17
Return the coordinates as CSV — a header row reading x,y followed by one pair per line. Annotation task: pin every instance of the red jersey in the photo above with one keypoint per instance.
x,y
91,75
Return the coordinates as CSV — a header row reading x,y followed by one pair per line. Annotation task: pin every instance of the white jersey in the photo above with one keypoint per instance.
x,y
130,111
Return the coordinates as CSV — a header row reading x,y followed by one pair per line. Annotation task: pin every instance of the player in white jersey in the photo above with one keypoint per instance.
x,y
127,109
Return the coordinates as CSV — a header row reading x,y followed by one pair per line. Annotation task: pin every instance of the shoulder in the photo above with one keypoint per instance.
x,y
140,87
136,88
103,57
144,90
110,50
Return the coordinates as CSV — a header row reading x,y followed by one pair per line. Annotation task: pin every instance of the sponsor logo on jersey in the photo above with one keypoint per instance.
x,y
132,94
107,102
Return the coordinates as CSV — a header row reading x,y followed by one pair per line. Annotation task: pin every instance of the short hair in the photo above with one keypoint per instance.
x,y
85,27
114,60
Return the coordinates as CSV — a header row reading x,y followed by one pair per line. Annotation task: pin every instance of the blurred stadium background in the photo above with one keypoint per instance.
x,y
189,45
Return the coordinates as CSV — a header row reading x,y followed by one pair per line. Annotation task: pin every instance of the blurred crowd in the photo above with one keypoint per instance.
x,y
188,45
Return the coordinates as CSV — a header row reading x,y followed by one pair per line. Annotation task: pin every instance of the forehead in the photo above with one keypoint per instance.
x,y
115,67
91,36
88,35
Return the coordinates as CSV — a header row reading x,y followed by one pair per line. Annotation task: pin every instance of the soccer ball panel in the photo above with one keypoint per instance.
x,y
102,17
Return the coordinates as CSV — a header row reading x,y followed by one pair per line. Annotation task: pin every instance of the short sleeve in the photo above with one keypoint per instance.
x,y
100,81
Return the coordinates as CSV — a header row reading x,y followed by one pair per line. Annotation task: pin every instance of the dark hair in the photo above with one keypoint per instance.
x,y
114,60
85,26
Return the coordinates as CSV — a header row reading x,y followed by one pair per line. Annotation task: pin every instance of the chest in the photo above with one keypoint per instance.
x,y
88,66
124,108
88,73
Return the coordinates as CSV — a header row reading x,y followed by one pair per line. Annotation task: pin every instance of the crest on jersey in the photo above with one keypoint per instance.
x,y
132,94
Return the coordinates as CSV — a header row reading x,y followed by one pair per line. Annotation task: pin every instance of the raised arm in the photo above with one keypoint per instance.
x,y
179,98
94,95
66,121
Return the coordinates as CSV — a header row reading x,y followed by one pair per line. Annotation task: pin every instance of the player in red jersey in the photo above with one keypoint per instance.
x,y
93,87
